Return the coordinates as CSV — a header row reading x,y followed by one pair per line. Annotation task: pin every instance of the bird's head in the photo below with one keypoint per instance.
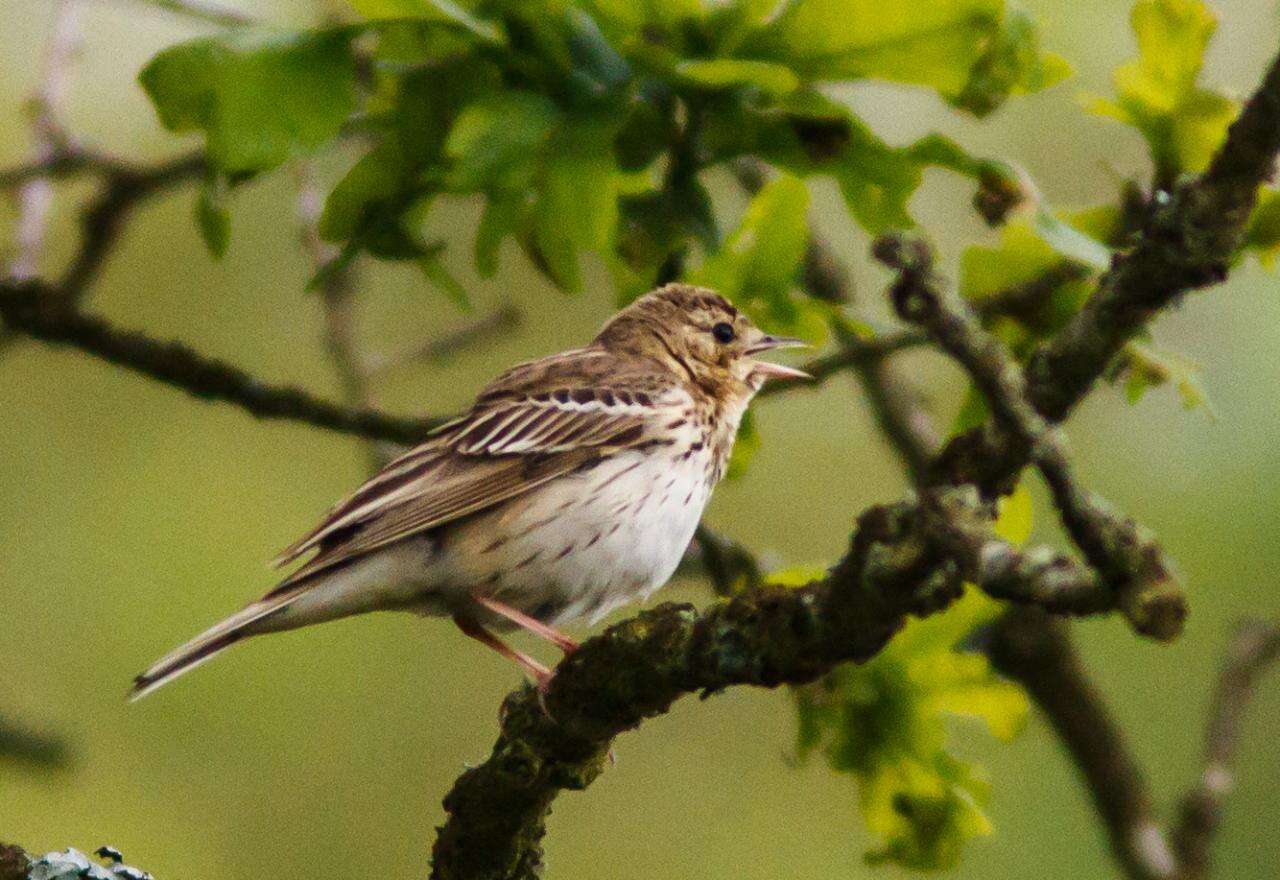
x,y
696,331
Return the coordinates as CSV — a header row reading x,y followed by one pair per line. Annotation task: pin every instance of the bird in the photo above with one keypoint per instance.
x,y
573,485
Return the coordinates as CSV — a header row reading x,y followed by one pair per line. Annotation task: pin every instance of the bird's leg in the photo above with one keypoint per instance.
x,y
540,674
537,627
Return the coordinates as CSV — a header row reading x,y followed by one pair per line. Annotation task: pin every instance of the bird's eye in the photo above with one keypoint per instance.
x,y
723,332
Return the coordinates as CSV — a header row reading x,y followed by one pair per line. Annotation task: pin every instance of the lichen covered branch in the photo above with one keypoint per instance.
x,y
1127,556
764,637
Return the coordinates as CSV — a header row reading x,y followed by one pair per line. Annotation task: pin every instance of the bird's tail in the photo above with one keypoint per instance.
x,y
210,643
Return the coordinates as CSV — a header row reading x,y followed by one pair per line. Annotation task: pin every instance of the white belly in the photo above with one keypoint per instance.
x,y
585,544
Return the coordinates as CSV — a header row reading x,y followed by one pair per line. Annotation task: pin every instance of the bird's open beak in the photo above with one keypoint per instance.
x,y
776,371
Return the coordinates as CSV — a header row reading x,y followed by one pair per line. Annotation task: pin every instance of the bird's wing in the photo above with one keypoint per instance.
x,y
515,439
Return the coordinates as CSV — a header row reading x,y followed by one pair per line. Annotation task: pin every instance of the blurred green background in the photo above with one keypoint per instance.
x,y
132,517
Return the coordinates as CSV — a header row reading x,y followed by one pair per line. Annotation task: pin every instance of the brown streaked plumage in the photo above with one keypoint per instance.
x,y
572,485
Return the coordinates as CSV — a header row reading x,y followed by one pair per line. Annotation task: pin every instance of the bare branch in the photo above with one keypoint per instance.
x,y
104,217
337,289
38,312
35,196
1255,647
1032,649
1035,576
20,744
65,160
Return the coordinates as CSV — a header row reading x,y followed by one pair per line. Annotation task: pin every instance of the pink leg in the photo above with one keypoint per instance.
x,y
540,674
537,627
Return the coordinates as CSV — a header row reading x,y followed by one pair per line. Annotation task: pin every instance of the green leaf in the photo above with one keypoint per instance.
x,y
1016,511
260,98
1013,64
1263,235
632,16
1145,367
970,51
495,143
885,722
212,217
744,448
876,180
759,262
444,280
719,73
577,206
797,576
594,57
1157,92
378,176
1069,242
501,218
443,11
1040,273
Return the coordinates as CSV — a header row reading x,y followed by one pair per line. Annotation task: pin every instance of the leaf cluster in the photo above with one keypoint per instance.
x,y
588,127
886,722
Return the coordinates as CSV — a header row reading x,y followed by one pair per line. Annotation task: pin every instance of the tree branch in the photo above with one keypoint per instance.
x,y
1126,555
14,862
337,289
38,312
35,195
763,637
1186,243
21,744
1254,648
1033,650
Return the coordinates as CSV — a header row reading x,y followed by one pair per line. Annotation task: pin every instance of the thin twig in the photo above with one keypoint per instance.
x,y
124,187
481,330
66,160
202,10
337,288
104,217
1255,647
35,195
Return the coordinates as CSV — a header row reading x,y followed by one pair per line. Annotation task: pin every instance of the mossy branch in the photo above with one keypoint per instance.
x,y
497,811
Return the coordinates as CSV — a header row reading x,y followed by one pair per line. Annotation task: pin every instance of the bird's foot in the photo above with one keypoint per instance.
x,y
524,621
